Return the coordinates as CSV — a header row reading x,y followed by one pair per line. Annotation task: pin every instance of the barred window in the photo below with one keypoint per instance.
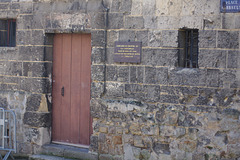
x,y
7,33
188,44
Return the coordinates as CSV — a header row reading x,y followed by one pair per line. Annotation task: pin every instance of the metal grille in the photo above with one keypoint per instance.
x,y
191,48
8,33
7,132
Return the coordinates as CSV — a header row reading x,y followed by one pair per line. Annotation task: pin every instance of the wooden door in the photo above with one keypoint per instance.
x,y
71,89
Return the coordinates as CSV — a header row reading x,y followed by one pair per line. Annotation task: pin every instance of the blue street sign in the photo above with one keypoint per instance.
x,y
230,6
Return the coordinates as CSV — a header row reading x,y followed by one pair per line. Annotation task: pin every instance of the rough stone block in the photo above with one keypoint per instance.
x,y
24,37
212,78
98,38
97,72
3,102
37,37
97,89
180,91
123,74
137,7
34,119
11,68
112,36
155,37
98,109
26,8
160,57
187,76
31,53
117,140
152,93
93,143
187,120
33,102
228,21
212,58
35,70
121,6
133,22
171,131
116,21
233,60
190,21
149,7
166,22
136,74
161,75
105,157
126,35
150,73
237,21
25,21
97,20
138,141
170,38
114,90
36,85
150,22
142,36
97,55
207,39
109,59
111,73
150,130
103,129
134,91
160,148
228,39
169,99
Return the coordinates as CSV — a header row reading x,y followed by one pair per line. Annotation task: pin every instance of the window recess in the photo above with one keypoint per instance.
x,y
188,44
7,33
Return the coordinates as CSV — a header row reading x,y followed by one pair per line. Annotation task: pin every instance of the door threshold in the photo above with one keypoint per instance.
x,y
70,144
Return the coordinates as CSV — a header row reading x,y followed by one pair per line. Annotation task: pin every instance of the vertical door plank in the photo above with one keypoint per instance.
x,y
75,88
56,92
66,79
85,90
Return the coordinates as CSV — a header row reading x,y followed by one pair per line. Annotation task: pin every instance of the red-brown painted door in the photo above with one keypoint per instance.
x,y
71,89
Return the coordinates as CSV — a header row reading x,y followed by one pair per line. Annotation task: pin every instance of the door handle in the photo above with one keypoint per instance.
x,y
62,91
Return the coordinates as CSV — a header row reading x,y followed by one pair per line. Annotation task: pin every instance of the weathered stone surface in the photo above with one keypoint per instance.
x,y
212,59
160,148
34,119
188,120
33,102
97,72
150,110
134,22
228,39
207,39
98,109
136,74
3,102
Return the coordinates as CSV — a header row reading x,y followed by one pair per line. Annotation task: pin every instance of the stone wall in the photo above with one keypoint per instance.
x,y
150,110
155,109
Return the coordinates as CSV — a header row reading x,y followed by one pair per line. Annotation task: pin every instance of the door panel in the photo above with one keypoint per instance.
x,y
71,88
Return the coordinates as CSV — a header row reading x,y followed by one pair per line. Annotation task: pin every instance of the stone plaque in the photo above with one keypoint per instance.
x,y
230,6
127,52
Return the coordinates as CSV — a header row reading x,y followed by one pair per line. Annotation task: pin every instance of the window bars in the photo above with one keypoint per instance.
x,y
8,33
191,48
7,132
188,48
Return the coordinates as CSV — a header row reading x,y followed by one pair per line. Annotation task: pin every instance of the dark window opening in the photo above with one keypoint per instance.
x,y
188,44
8,33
